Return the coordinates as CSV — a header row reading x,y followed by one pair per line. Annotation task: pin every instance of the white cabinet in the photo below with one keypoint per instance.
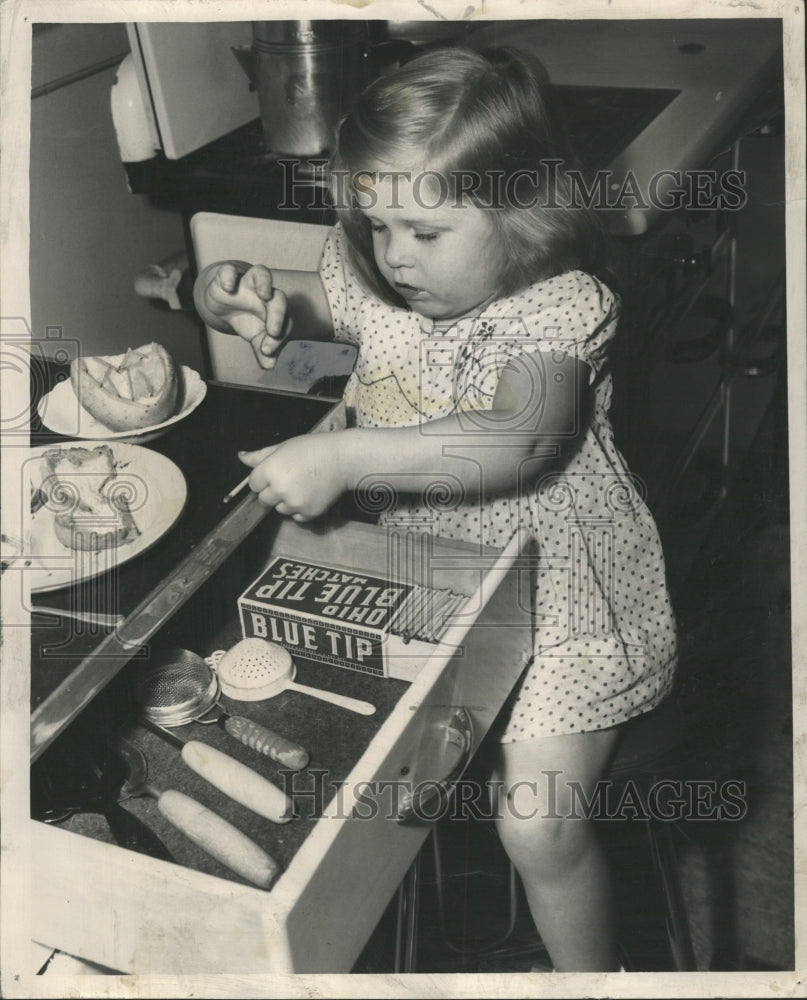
x,y
90,236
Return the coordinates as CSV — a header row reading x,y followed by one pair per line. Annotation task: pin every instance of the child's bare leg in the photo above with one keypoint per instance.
x,y
560,860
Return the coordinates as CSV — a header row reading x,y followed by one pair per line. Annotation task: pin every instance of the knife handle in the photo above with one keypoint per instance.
x,y
238,781
218,838
267,742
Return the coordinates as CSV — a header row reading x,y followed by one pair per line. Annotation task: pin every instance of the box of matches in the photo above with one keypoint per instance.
x,y
346,617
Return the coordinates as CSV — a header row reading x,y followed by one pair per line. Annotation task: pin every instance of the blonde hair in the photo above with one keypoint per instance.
x,y
484,115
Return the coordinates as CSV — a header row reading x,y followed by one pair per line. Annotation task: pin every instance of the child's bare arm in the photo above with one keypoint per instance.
x,y
262,306
525,433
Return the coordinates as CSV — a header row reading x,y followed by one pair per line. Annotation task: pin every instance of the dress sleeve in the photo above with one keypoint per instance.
x,y
343,289
573,313
579,316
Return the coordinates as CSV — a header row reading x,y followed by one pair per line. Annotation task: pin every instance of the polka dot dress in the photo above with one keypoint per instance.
x,y
605,643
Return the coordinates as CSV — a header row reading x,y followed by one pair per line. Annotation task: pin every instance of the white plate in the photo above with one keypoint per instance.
x,y
61,412
158,493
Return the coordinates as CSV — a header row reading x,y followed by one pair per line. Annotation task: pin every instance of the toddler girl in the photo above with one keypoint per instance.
x,y
473,287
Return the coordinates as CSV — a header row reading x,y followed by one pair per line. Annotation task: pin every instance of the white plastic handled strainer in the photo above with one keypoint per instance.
x,y
254,669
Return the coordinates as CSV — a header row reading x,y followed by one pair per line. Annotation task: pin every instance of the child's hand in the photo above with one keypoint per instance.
x,y
300,477
246,300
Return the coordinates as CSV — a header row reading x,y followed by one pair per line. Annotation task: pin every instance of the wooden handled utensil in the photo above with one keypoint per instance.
x,y
209,831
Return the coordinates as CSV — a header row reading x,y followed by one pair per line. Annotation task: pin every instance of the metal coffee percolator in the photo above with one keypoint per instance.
x,y
306,74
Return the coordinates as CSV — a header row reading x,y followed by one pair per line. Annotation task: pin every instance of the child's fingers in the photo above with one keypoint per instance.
x,y
259,279
267,343
265,347
270,498
226,278
253,458
276,308
231,280
258,479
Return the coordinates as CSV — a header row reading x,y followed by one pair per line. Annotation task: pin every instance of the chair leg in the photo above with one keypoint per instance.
x,y
406,934
665,862
458,947
408,903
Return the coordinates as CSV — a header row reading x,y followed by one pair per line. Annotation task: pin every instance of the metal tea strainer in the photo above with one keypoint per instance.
x,y
179,687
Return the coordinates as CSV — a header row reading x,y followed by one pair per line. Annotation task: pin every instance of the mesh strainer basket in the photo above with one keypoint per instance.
x,y
178,687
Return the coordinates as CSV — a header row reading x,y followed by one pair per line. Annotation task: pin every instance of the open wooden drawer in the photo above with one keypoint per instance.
x,y
136,914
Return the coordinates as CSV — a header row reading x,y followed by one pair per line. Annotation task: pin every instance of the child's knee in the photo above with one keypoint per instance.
x,y
544,844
